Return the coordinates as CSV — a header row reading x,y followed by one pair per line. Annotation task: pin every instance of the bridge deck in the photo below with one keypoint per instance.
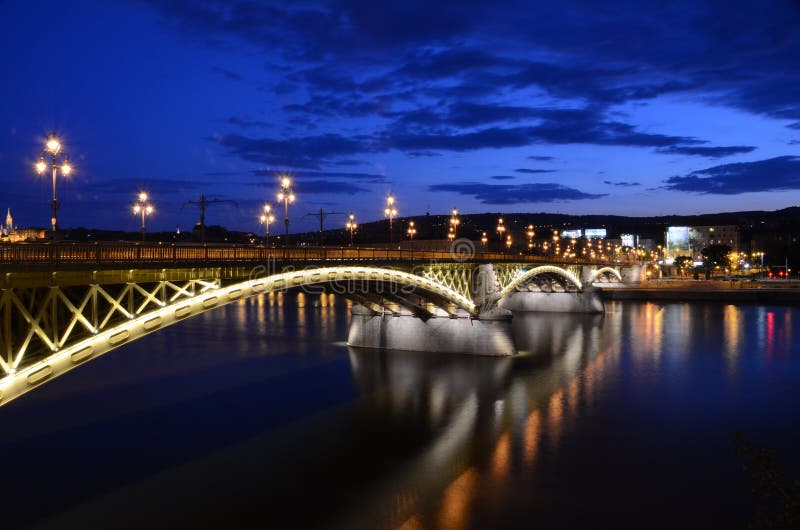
x,y
18,257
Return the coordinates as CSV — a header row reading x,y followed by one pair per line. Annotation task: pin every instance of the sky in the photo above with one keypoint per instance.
x,y
615,107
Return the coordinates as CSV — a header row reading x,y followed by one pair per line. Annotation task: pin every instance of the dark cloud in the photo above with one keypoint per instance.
x,y
534,171
540,158
153,185
709,152
622,183
301,152
451,75
502,177
322,186
230,74
775,174
370,178
245,123
795,125
515,193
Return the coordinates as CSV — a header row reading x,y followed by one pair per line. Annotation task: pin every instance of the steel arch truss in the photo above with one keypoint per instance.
x,y
546,276
48,331
609,273
39,321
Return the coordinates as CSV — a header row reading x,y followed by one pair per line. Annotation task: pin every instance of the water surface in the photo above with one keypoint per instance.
x,y
259,409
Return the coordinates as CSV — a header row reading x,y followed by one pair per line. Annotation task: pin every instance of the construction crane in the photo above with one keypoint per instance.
x,y
321,215
204,203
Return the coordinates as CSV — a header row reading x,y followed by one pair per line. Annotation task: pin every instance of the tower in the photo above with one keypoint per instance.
x,y
9,221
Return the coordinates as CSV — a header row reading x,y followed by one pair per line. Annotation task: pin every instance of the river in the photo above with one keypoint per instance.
x,y
259,410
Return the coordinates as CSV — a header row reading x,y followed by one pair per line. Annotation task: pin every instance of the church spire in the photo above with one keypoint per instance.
x,y
9,221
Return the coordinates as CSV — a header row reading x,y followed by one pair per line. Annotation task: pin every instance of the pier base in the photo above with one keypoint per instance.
x,y
588,301
437,334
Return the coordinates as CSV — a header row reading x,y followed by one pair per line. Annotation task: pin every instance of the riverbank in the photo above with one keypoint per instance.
x,y
785,293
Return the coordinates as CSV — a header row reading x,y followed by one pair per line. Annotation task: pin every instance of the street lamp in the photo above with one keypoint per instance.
x,y
454,222
508,241
484,240
390,211
412,230
143,208
267,218
351,226
53,150
530,235
287,196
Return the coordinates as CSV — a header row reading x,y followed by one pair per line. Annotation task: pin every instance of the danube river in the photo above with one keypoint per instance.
x,y
259,411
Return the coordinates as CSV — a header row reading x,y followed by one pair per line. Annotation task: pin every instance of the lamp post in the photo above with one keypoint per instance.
x,y
509,242
484,240
390,211
412,230
143,208
266,219
53,150
454,222
351,226
530,235
556,246
287,196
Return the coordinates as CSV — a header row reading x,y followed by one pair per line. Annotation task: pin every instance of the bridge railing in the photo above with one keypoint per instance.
x,y
172,253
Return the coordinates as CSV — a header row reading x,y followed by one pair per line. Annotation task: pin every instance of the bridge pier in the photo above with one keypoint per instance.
x,y
587,301
436,334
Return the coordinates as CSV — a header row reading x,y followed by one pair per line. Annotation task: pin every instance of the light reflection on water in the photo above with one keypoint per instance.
x,y
248,410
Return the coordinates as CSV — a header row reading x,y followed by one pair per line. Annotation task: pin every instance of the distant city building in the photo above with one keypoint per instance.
x,y
11,234
691,240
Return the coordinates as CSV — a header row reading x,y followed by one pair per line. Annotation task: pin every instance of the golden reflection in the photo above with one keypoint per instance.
x,y
412,523
555,416
457,499
731,325
301,314
501,457
532,433
572,396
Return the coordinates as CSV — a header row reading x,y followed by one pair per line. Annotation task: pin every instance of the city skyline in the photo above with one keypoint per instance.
x,y
485,109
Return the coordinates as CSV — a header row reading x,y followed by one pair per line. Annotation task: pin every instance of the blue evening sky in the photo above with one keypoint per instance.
x,y
621,107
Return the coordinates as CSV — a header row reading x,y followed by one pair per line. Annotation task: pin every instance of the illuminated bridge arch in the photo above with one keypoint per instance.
x,y
605,271
565,278
129,318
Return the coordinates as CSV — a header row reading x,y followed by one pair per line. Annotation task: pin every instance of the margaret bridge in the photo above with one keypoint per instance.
x,y
64,304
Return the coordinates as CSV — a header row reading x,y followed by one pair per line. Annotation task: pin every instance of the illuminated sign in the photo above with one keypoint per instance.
x,y
571,234
678,241
595,233
628,240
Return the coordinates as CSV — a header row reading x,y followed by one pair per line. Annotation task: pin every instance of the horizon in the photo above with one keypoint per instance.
x,y
577,109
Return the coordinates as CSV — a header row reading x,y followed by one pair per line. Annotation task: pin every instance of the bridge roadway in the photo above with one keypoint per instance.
x,y
18,257
63,304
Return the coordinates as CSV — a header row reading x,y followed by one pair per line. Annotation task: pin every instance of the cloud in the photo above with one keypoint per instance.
x,y
370,178
533,171
775,174
515,193
502,177
230,74
153,185
321,186
540,158
622,183
244,123
709,152
302,152
454,79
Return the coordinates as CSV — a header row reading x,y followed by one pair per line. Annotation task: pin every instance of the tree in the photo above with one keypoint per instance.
x,y
716,256
683,263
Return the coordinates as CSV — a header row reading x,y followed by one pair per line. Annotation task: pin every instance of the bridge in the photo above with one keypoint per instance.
x,y
64,304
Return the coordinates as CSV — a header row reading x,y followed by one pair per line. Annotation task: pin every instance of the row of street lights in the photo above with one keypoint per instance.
x,y
58,158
